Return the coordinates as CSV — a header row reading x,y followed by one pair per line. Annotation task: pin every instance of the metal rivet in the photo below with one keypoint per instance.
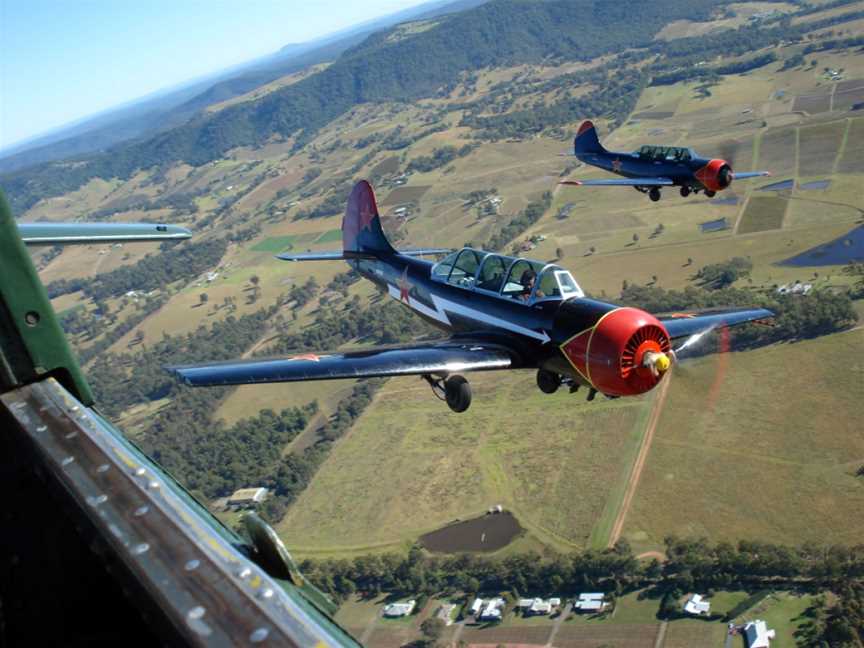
x,y
192,565
71,435
259,635
103,468
19,405
265,593
41,428
141,510
96,501
244,573
196,612
75,408
31,318
139,549
140,472
153,484
66,461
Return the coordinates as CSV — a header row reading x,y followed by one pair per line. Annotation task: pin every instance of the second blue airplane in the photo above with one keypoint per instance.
x,y
649,168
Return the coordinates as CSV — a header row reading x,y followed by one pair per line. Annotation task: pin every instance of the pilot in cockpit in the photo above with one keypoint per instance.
x,y
529,277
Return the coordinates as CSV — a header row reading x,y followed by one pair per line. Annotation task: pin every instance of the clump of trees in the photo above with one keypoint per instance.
x,y
722,275
439,158
530,215
183,261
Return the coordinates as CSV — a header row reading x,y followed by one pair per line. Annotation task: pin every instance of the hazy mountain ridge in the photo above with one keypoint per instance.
x,y
169,108
503,32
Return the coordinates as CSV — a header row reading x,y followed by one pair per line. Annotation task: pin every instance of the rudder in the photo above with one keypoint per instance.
x,y
361,225
586,139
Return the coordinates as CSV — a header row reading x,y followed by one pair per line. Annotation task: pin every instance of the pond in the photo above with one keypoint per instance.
x,y
849,247
483,534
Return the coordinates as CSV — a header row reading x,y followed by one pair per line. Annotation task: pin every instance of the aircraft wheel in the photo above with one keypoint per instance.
x,y
548,381
457,392
685,191
710,194
654,194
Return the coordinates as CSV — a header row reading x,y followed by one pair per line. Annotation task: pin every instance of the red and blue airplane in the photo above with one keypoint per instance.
x,y
500,312
649,168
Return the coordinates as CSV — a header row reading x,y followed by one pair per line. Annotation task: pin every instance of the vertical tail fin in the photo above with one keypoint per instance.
x,y
361,225
586,140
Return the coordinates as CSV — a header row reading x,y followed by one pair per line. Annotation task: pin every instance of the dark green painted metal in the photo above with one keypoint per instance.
x,y
32,345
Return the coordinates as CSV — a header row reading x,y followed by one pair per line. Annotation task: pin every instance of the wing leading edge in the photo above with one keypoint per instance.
x,y
87,233
443,358
621,182
681,325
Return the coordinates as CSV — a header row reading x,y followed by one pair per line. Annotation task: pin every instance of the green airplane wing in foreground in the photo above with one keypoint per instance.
x,y
99,538
89,233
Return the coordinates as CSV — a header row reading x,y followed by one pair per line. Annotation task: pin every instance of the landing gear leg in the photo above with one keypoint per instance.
x,y
710,193
685,191
548,381
591,394
654,194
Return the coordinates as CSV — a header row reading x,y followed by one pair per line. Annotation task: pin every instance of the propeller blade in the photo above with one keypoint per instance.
x,y
729,151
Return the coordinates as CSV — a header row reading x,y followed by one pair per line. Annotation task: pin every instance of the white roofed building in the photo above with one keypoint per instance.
x,y
697,606
590,602
247,497
493,610
758,635
401,609
476,606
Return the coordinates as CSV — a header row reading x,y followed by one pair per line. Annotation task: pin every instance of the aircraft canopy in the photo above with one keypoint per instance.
x,y
665,153
506,277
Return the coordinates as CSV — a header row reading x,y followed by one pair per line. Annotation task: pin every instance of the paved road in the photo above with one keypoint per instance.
x,y
661,636
460,626
564,614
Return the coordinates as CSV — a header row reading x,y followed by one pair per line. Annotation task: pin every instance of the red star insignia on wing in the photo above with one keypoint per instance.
x,y
616,164
404,287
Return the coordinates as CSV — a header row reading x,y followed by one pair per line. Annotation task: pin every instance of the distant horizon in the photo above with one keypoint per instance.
x,y
109,72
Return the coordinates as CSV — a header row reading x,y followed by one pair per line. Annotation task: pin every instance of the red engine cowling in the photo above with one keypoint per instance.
x,y
716,175
610,354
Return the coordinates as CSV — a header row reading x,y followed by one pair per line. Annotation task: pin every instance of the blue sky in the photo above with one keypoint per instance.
x,y
66,59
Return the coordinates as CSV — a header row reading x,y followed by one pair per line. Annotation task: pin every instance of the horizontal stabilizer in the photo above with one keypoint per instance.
x,y
333,255
621,182
342,256
441,358
87,233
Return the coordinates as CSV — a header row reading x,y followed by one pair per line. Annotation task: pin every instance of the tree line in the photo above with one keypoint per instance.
x,y
692,565
797,316
155,271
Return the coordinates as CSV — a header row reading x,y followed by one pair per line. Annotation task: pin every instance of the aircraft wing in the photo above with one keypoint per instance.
x,y
441,358
622,182
343,255
680,325
743,175
86,233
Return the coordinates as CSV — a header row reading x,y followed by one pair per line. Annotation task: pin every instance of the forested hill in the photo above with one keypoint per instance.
x,y
389,65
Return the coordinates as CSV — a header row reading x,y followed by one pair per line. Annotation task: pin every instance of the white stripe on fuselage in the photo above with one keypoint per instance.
x,y
443,306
